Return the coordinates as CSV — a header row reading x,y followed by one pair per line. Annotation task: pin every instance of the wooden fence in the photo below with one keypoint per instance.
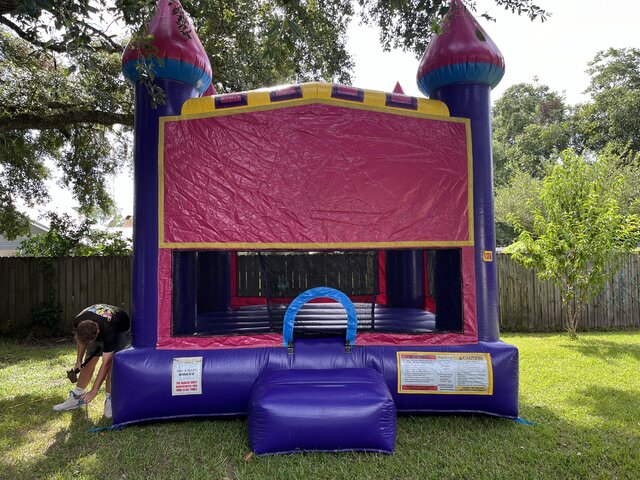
x,y
288,275
32,285
37,286
528,304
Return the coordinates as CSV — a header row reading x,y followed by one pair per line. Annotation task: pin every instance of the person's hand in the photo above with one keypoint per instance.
x,y
90,395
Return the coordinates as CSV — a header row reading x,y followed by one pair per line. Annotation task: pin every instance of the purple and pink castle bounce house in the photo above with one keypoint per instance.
x,y
317,257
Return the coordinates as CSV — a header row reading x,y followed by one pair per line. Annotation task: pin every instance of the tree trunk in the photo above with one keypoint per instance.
x,y
571,315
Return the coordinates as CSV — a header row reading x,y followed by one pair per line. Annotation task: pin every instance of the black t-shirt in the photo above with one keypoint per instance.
x,y
111,321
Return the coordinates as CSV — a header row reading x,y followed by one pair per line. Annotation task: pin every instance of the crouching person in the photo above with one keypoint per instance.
x,y
101,330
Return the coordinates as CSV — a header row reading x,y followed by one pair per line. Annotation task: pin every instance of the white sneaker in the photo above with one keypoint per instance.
x,y
74,401
107,407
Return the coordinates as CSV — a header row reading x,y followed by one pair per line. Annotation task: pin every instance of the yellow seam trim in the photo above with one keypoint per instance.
x,y
470,180
312,91
310,101
161,181
307,246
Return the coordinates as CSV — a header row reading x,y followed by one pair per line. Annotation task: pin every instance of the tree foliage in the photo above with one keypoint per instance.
x,y
612,118
64,105
531,126
253,44
70,238
54,118
579,231
409,24
514,206
532,123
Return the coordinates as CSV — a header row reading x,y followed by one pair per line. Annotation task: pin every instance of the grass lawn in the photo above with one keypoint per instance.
x,y
584,394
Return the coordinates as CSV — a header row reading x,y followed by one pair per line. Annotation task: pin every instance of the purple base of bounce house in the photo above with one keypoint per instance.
x,y
229,375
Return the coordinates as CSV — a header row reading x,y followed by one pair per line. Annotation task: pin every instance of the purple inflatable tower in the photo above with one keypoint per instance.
x,y
183,71
460,67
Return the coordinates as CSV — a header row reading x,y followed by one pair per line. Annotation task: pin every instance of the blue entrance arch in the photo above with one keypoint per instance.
x,y
311,294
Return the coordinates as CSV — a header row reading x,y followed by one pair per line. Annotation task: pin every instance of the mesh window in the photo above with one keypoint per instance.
x,y
422,291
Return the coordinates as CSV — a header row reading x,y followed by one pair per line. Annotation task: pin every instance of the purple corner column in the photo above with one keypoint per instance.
x,y
472,100
144,301
460,67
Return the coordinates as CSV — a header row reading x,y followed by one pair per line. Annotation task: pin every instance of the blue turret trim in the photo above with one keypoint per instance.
x,y
477,72
173,70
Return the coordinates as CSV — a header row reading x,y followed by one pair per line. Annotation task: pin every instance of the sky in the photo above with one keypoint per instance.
x,y
556,52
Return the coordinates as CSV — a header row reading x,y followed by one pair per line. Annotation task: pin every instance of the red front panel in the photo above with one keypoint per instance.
x,y
315,175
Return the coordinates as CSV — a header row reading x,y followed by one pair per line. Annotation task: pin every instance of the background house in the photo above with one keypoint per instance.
x,y
8,248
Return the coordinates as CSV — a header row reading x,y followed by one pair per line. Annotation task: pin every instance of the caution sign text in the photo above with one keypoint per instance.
x,y
445,373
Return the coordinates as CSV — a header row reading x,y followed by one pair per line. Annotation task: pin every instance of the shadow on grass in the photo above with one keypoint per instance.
x,y
611,404
24,414
604,349
31,449
426,447
41,443
13,352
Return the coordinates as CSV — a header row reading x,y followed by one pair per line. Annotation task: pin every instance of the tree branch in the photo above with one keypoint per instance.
x,y
56,47
106,43
58,120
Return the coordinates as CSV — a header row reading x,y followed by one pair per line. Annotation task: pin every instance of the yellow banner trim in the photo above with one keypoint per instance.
x,y
311,246
313,91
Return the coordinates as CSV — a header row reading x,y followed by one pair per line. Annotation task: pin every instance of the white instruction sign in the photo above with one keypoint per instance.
x,y
445,373
186,376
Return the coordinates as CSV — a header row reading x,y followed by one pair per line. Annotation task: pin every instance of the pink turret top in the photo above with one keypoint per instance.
x,y
182,56
462,52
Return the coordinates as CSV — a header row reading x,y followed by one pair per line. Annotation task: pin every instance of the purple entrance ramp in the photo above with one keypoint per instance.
x,y
321,410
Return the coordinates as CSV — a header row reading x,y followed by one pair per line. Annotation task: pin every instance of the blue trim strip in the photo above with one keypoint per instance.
x,y
173,70
102,429
522,421
479,72
311,294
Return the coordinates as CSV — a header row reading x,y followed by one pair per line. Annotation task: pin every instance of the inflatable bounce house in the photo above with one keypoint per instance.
x,y
317,257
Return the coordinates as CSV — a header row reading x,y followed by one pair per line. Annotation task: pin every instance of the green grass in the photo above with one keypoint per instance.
x,y
584,395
